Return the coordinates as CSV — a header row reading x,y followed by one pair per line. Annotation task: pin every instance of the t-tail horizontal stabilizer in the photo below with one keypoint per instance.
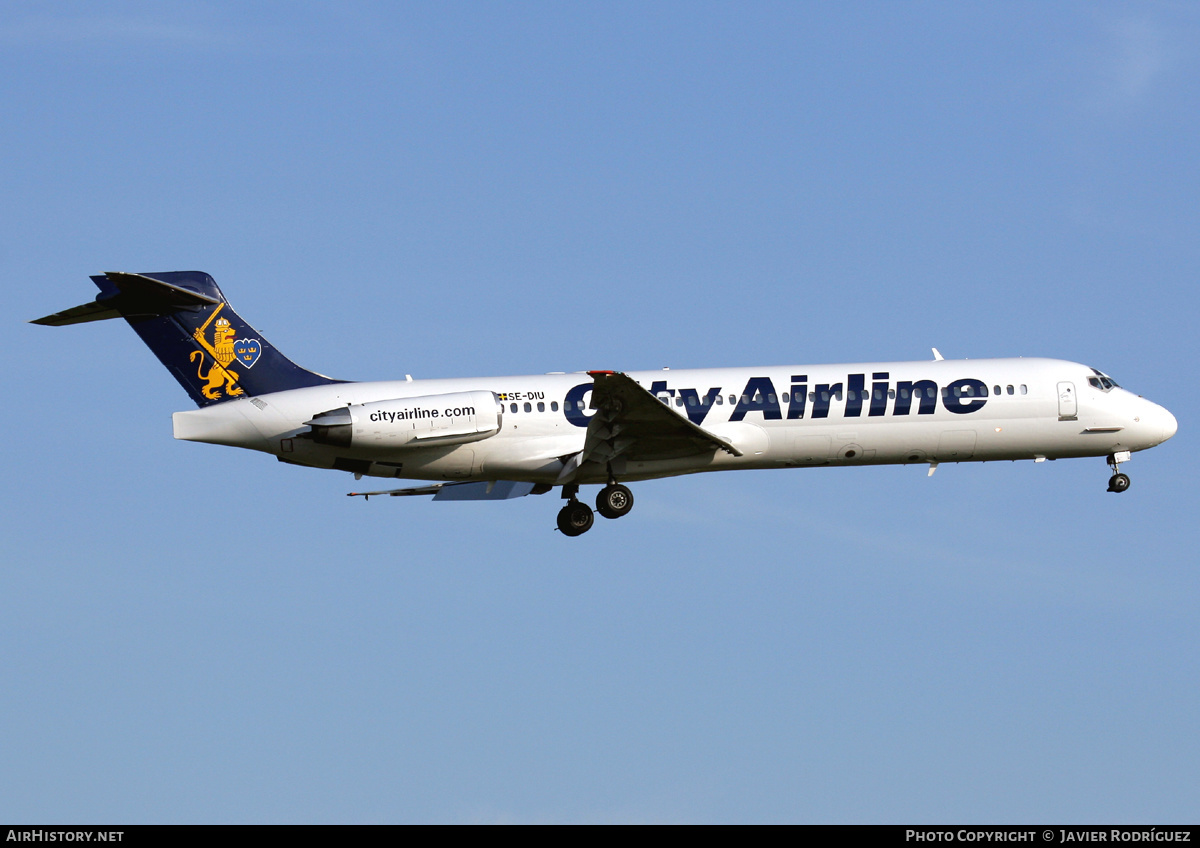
x,y
128,295
189,325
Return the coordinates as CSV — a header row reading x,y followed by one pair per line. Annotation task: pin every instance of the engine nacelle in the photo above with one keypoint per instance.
x,y
428,420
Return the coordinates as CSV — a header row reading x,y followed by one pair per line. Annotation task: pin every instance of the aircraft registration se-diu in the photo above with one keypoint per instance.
x,y
492,438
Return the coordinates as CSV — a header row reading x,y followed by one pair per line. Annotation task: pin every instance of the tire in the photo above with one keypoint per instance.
x,y
575,519
614,501
1118,483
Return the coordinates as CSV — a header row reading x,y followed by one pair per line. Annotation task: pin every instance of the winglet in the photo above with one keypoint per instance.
x,y
937,355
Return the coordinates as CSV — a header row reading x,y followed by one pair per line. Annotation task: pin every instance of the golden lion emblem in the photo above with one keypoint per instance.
x,y
221,350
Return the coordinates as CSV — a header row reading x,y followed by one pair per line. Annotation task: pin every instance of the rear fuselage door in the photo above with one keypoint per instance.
x,y
1068,408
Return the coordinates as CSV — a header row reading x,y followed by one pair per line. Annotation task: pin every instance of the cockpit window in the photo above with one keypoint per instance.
x,y
1102,381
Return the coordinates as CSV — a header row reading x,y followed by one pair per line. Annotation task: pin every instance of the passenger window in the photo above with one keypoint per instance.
x,y
1010,390
995,390
771,397
692,400
892,394
732,400
824,395
528,406
679,401
745,399
720,400
904,393
930,392
786,397
541,406
1024,389
812,396
512,408
554,406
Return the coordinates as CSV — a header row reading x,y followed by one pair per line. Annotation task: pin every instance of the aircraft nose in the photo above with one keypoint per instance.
x,y
1158,422
1169,425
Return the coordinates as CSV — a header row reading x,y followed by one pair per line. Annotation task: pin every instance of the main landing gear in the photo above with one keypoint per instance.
x,y
1118,482
614,501
576,518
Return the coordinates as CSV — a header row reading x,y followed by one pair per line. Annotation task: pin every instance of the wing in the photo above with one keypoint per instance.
x,y
633,424
495,490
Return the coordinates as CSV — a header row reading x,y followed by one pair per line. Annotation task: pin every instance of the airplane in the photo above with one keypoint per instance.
x,y
495,438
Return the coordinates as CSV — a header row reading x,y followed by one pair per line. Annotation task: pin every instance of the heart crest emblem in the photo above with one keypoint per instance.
x,y
247,351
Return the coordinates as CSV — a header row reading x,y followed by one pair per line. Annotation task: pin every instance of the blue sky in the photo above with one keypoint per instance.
x,y
192,633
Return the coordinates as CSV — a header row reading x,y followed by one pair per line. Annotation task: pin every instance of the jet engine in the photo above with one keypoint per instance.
x,y
447,419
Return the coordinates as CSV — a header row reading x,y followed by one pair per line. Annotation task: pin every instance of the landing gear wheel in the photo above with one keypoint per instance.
x,y
1118,483
575,518
614,501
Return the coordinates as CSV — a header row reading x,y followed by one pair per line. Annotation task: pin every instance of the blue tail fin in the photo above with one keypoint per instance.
x,y
184,318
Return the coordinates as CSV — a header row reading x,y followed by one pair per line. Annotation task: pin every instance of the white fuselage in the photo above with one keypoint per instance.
x,y
777,417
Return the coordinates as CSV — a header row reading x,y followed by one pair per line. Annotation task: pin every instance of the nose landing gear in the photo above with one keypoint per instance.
x,y
1118,482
